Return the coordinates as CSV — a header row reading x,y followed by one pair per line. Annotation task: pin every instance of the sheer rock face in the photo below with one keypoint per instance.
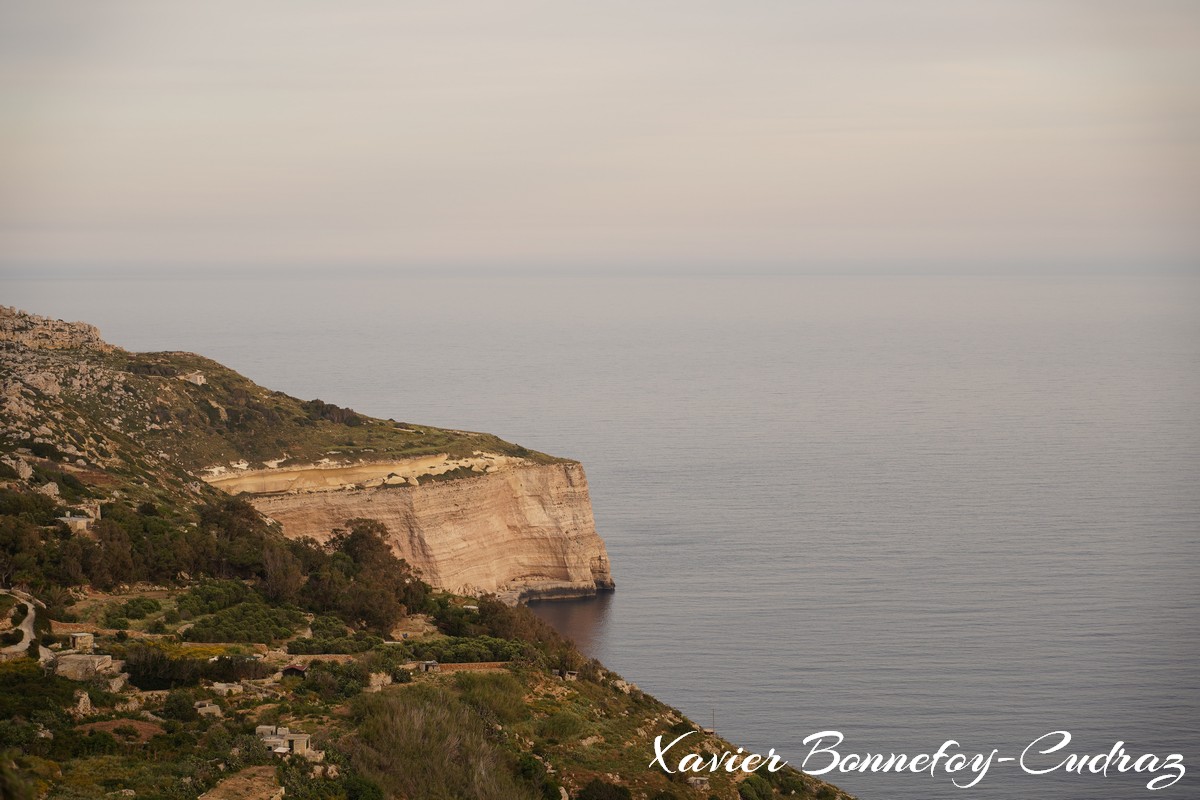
x,y
521,533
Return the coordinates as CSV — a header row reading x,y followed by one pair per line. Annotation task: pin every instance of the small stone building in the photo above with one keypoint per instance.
x,y
207,708
282,742
83,642
77,524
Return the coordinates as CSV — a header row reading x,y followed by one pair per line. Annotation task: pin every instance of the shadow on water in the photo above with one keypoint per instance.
x,y
584,621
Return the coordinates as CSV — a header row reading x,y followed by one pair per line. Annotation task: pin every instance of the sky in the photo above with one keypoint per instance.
x,y
806,135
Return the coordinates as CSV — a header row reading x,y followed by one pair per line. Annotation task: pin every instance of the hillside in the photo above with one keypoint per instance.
x,y
161,638
472,512
154,423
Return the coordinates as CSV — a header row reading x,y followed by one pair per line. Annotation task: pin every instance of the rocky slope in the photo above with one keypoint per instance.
x,y
474,513
44,333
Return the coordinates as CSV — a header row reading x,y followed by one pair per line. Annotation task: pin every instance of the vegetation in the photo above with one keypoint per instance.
x,y
598,789
188,587
246,622
430,727
466,649
25,692
230,417
152,666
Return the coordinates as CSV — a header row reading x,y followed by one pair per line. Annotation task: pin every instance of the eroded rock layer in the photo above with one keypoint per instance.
x,y
522,532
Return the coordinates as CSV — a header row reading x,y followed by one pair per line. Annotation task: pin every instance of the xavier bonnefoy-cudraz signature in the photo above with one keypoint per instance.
x,y
1047,754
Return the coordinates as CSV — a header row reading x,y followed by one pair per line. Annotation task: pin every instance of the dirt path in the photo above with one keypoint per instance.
x,y
26,626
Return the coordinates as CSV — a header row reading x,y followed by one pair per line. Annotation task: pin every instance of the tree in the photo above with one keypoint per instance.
x,y
363,580
283,575
115,560
179,705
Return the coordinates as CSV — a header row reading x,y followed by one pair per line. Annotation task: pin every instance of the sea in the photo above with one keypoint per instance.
x,y
907,508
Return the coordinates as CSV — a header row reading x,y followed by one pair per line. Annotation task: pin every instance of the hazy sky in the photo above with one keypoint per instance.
x,y
797,134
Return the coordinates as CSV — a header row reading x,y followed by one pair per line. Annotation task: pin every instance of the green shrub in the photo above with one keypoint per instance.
x,y
497,694
603,790
561,726
360,642
427,726
179,705
140,608
127,732
465,649
252,621
212,596
231,669
755,787
327,626
116,623
25,690
532,771
31,506
787,782
151,668
334,681
296,779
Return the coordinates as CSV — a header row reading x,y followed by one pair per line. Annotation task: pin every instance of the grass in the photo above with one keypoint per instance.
x,y
497,694
423,742
143,431
260,425
561,726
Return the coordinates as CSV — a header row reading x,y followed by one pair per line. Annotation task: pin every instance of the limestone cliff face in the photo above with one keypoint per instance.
x,y
522,532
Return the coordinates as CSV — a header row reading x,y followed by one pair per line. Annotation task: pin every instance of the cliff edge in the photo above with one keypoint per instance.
x,y
523,531
474,513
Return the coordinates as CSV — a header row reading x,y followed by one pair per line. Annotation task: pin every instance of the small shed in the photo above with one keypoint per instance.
x,y
207,708
295,671
430,666
77,524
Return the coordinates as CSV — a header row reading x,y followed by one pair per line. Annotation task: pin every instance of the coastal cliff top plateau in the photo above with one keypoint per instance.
x,y
157,426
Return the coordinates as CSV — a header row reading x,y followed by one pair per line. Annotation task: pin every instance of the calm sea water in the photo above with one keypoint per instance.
x,y
906,508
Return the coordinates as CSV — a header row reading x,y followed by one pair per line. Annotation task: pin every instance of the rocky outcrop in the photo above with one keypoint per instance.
x,y
329,475
44,333
522,532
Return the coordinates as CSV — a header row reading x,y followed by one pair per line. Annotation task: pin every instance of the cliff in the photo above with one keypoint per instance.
x,y
523,531
473,512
